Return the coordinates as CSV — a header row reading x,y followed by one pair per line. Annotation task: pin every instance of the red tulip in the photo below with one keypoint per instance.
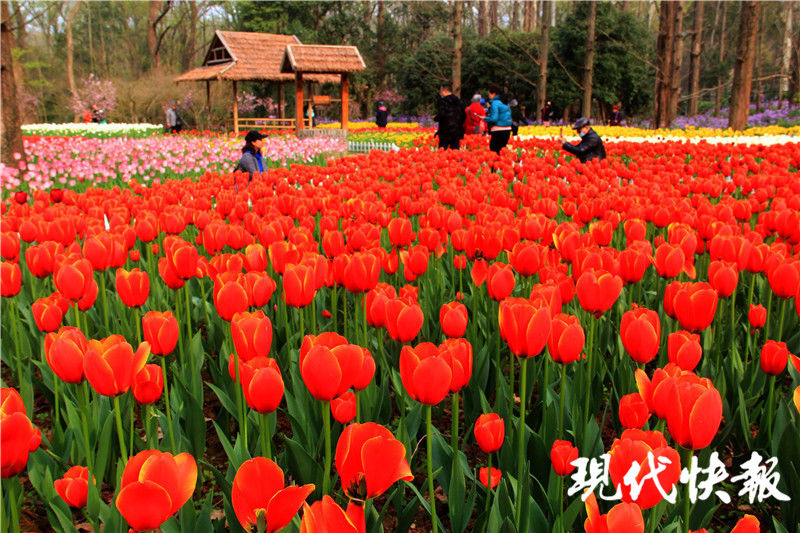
x,y
562,454
453,319
566,339
632,448
625,517
21,197
154,486
400,232
47,314
10,279
757,316
404,319
56,195
252,334
598,290
74,486
457,353
500,281
89,297
747,524
73,279
258,491
369,460
133,287
298,285
549,295
527,257
695,305
683,349
161,331
376,303
633,411
110,364
483,477
524,326
18,436
640,331
64,352
325,516
415,261
168,273
784,278
723,277
148,384
343,408
361,273
255,258
263,385
41,260
425,374
774,356
9,246
693,409
669,260
489,432
634,261
230,298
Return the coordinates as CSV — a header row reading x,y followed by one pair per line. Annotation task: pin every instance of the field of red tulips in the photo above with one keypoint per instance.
x,y
411,341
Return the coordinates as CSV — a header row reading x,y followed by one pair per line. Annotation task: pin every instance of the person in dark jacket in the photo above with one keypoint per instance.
x,y
498,120
450,115
251,160
548,113
382,115
616,116
590,147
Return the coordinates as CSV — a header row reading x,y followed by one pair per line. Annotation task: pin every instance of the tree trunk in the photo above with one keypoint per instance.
x,y
492,15
483,18
544,52
458,15
588,66
757,63
694,63
743,68
794,69
515,16
152,41
191,39
677,56
11,124
786,52
721,81
380,56
73,89
528,8
665,53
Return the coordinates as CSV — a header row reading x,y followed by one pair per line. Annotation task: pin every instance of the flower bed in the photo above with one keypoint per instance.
x,y
93,130
322,325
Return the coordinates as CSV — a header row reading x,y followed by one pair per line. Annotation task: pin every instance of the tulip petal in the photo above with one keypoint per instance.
x,y
285,504
384,460
705,418
144,505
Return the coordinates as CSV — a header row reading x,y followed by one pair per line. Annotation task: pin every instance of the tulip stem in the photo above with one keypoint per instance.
x,y
147,431
266,445
733,319
590,355
83,400
326,420
364,313
20,383
138,319
344,311
454,424
122,448
429,451
167,406
105,303
770,407
177,315
188,320
333,308
561,502
358,408
130,433
561,402
240,404
779,333
769,313
687,505
523,362
489,482
11,486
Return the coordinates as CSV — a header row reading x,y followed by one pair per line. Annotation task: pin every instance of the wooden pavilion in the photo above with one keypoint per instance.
x,y
247,56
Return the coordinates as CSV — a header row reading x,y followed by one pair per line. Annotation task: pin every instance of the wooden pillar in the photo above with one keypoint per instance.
x,y
345,100
298,78
280,100
208,94
235,111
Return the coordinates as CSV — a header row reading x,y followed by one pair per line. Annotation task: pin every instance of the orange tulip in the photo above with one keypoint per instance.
x,y
747,524
326,517
154,486
74,486
10,279
148,384
18,436
259,493
566,339
161,330
298,285
425,374
562,454
133,286
683,349
483,477
64,352
47,314
489,432
252,334
625,517
404,319
110,364
524,326
633,447
640,331
453,319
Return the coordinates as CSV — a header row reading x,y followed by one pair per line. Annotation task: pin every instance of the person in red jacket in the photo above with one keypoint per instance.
x,y
475,113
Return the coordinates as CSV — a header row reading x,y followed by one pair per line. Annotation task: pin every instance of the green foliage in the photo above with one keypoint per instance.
x,y
623,63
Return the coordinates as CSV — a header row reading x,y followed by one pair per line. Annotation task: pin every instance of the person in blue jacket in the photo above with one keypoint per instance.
x,y
498,120
251,161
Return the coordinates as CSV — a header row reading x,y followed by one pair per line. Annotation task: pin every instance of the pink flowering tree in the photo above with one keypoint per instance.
x,y
94,92
388,97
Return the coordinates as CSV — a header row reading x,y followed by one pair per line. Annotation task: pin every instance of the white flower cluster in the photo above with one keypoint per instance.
x,y
92,129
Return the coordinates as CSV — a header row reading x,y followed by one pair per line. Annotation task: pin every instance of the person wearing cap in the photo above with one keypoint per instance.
x,y
475,113
591,145
616,116
251,160
382,115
